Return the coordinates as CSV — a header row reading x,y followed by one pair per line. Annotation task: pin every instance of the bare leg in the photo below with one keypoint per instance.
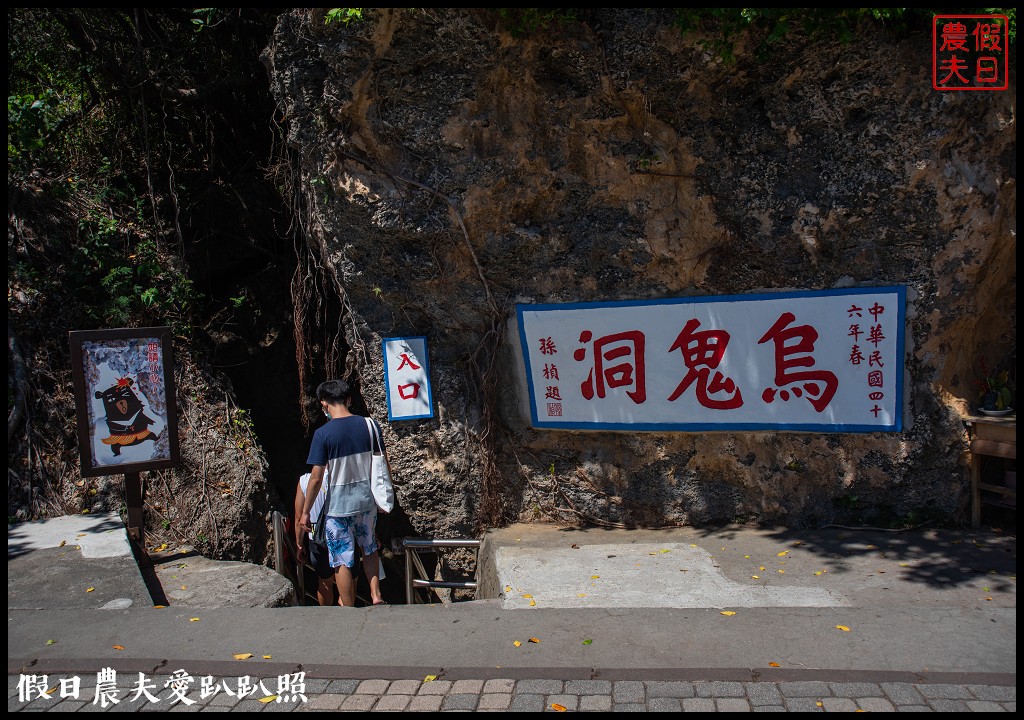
x,y
325,591
371,566
346,586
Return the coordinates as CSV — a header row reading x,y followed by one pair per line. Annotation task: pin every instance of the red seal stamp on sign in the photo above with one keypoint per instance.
x,y
970,52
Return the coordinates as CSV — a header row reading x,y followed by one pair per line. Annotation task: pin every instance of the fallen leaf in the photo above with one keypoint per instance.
x,y
534,640
727,612
782,572
51,642
574,546
761,568
587,642
988,598
843,628
430,678
527,596
508,588
90,589
985,589
662,552
63,543
773,664
517,643
783,553
818,572
50,691
159,606
755,577
746,557
693,545
242,656
904,564
183,587
581,595
267,657
193,619
533,603
118,647
268,698
819,704
594,577
558,708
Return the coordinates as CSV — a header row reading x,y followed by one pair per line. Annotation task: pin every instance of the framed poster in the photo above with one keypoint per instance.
x,y
124,400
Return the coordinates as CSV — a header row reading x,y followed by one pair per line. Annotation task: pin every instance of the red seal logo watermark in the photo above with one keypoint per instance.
x,y
970,52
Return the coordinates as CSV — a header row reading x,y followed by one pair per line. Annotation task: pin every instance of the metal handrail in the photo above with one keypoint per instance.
x,y
412,549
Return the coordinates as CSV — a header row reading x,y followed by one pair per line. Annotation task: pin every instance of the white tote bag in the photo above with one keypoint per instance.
x,y
380,473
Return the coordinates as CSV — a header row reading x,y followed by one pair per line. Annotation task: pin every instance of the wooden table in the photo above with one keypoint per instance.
x,y
994,437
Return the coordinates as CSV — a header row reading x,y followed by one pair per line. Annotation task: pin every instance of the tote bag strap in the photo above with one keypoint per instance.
x,y
375,444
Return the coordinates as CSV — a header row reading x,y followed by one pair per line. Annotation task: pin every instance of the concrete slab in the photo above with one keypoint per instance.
x,y
641,575
94,535
744,567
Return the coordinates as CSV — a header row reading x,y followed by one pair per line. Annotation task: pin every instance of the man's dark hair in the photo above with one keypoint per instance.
x,y
333,392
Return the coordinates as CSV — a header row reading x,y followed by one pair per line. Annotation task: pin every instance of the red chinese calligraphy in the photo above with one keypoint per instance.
x,y
790,355
876,359
547,346
856,356
406,360
954,65
875,378
954,36
703,352
551,393
876,336
855,333
409,391
628,373
987,69
965,65
987,37
876,310
550,372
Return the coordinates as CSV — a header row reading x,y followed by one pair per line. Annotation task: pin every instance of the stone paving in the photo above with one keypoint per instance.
x,y
180,692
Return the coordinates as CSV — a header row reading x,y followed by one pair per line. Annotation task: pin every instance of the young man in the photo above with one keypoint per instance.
x,y
341,450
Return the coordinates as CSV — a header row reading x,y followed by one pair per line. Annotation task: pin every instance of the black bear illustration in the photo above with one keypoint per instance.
x,y
127,424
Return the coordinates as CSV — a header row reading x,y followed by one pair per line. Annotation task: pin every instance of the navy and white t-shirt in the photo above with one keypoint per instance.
x,y
344,448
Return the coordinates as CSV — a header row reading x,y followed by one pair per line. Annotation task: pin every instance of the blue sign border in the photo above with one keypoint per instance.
x,y
897,426
426,370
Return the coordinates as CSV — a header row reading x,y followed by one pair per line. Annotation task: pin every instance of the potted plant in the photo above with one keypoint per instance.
x,y
995,390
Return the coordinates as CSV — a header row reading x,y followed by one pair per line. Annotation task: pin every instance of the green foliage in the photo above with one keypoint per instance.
x,y
343,15
30,118
523,21
724,25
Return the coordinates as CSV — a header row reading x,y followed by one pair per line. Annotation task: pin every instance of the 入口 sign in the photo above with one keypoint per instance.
x,y
407,378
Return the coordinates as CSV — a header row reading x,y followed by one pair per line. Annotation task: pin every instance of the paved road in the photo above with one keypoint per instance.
x,y
920,621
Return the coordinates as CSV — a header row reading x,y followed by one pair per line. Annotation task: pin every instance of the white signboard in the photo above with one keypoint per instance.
x,y
827,361
407,378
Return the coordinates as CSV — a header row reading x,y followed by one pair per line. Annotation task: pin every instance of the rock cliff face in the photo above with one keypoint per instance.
x,y
447,168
